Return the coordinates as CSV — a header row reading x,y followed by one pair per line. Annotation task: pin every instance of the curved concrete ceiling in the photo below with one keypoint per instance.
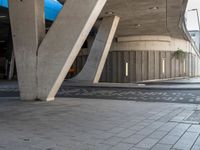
x,y
147,17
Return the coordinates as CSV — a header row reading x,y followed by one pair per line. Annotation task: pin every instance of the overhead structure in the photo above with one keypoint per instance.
x,y
44,60
138,47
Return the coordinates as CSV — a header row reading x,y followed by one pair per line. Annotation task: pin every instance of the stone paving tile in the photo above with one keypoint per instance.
x,y
134,139
169,139
158,134
155,125
186,141
136,148
194,128
196,144
179,129
171,115
145,131
93,147
161,147
112,140
125,133
137,127
122,146
147,143
196,147
102,135
168,126
116,130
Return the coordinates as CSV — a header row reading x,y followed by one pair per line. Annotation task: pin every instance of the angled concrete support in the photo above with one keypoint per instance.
x,y
28,30
43,61
93,68
63,42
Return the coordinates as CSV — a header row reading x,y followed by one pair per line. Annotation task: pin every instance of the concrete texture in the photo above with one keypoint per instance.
x,y
43,62
94,65
152,43
142,65
91,124
62,43
28,30
155,18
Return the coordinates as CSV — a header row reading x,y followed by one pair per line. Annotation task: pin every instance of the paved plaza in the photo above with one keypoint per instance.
x,y
96,124
102,118
99,75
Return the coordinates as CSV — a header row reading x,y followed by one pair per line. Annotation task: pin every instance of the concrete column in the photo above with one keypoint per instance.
x,y
99,51
63,42
28,30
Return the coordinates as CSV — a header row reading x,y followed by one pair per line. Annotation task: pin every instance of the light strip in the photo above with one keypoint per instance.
x,y
126,69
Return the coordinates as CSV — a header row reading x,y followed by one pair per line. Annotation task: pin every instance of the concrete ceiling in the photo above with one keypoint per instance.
x,y
139,17
147,17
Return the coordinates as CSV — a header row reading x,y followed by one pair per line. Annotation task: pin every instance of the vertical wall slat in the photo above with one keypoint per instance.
x,y
138,66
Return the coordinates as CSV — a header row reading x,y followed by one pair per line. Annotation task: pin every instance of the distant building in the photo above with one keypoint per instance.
x,y
195,34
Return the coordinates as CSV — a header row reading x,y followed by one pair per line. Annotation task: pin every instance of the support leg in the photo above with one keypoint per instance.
x,y
62,43
28,30
93,68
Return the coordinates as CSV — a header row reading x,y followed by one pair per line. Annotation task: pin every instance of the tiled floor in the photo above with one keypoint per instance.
x,y
91,124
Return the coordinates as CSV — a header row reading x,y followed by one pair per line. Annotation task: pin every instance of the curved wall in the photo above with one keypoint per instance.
x,y
151,43
140,58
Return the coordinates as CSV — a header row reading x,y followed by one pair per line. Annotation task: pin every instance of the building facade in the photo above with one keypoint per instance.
x,y
140,58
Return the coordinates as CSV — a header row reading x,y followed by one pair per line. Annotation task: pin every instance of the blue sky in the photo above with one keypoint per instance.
x,y
191,16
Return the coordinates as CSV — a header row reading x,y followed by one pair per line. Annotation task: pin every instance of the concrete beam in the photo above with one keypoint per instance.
x,y
93,68
63,42
28,30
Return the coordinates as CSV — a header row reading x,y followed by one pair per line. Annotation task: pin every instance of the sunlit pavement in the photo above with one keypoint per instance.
x,y
93,124
101,118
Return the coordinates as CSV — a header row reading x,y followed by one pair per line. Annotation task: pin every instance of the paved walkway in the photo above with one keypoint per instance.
x,y
91,124
195,80
173,93
129,94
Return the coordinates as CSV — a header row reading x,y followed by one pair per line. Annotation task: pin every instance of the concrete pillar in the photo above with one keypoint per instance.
x,y
63,42
28,30
93,68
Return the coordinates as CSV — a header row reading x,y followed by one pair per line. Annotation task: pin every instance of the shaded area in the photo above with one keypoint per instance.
x,y
147,95
127,94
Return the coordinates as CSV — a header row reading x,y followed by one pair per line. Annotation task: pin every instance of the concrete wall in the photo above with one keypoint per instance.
x,y
148,65
151,43
133,59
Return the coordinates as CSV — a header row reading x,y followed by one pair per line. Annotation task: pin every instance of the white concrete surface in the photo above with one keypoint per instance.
x,y
28,30
93,68
63,42
152,43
